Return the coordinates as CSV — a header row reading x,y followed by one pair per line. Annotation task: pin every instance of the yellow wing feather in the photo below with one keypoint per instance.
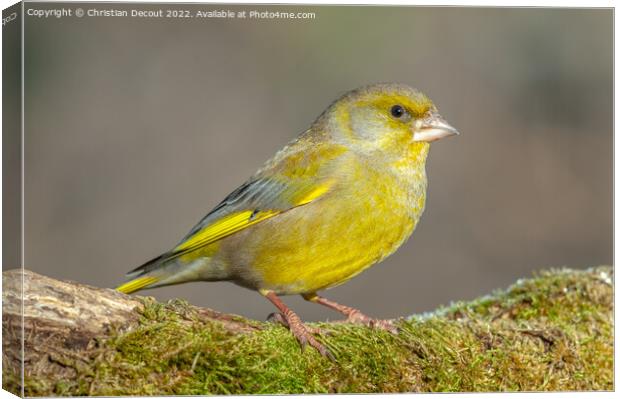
x,y
224,227
314,193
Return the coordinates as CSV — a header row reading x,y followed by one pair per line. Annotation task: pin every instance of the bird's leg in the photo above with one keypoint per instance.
x,y
353,315
300,331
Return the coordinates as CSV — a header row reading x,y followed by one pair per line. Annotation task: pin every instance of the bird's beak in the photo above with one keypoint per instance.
x,y
432,128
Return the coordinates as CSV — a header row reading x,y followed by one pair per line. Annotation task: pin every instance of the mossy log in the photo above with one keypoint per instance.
x,y
550,332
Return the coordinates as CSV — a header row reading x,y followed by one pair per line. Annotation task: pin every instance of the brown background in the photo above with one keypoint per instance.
x,y
136,128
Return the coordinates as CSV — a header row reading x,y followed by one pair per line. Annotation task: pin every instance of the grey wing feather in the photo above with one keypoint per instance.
x,y
256,194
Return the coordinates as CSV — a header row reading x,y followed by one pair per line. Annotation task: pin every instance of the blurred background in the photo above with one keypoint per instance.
x,y
136,128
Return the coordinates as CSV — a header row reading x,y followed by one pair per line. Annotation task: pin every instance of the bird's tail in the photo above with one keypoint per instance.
x,y
145,276
169,269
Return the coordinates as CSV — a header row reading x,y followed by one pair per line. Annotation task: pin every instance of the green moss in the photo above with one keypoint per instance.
x,y
551,332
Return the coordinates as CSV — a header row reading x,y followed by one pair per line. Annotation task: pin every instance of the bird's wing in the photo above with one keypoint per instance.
x,y
299,174
295,177
253,202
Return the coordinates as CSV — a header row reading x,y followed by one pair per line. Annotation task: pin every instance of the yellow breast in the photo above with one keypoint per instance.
x,y
328,241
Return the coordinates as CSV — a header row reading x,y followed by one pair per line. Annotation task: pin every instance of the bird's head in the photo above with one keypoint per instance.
x,y
389,118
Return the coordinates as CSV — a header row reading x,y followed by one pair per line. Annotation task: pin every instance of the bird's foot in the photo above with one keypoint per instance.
x,y
358,317
276,317
353,315
302,332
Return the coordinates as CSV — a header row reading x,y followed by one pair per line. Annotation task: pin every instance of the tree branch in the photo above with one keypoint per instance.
x,y
552,332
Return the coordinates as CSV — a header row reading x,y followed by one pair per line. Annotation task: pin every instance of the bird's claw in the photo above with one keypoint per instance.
x,y
303,334
386,325
358,317
278,318
305,337
303,342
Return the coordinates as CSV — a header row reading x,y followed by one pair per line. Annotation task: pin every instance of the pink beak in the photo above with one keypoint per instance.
x,y
433,128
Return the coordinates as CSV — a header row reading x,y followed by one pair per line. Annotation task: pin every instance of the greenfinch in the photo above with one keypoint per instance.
x,y
339,198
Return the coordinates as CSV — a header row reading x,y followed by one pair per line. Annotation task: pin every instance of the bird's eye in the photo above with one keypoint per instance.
x,y
397,111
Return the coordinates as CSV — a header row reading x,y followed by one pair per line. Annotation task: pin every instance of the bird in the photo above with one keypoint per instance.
x,y
340,197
